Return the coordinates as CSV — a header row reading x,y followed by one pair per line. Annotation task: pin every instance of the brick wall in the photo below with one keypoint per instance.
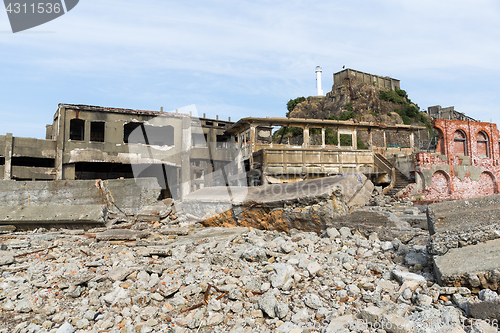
x,y
465,164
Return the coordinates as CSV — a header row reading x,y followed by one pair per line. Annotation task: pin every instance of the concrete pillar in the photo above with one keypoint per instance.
x,y
412,140
253,139
69,171
385,141
370,137
186,157
305,144
338,137
323,140
60,135
9,143
354,139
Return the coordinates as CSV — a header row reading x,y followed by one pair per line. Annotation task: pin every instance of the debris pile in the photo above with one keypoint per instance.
x,y
164,278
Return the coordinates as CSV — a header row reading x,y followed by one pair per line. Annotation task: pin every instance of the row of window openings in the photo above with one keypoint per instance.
x,y
460,143
132,133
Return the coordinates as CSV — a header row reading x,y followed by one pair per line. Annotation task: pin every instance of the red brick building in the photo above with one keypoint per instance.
x,y
465,164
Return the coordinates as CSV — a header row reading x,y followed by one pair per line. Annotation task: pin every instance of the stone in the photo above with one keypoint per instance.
x,y
332,232
473,259
254,254
23,306
345,232
120,273
341,323
481,326
6,258
402,276
66,328
313,301
372,314
282,276
120,234
267,303
313,268
300,316
397,324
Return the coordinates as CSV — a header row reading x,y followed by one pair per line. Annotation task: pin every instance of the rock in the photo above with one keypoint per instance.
x,y
481,326
345,232
402,276
372,314
332,232
6,258
120,234
340,324
396,324
313,301
66,328
23,306
313,268
300,316
268,304
120,273
282,276
254,254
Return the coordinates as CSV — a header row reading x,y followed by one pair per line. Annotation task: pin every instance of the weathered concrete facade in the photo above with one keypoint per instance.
x,y
308,155
465,164
447,113
92,142
354,75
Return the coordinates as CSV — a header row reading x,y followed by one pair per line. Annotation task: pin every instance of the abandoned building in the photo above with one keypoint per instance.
x,y
464,165
318,148
449,113
92,142
188,153
350,75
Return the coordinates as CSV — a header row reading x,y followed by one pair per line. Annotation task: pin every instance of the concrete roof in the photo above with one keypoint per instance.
x,y
277,121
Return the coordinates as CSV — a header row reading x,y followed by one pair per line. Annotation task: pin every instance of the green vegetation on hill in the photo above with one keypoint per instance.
x,y
409,111
293,103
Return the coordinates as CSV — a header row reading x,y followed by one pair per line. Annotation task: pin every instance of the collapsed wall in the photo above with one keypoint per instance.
x,y
306,205
73,202
465,242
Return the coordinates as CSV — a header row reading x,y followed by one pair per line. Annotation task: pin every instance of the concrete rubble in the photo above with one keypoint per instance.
x,y
173,275
74,203
307,205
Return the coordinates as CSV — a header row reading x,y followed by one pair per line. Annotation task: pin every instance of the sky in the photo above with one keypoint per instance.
x,y
246,58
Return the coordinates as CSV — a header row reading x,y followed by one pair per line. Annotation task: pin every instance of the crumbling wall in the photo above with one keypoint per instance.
x,y
465,164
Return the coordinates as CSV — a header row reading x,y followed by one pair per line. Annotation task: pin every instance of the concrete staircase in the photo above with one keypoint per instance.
x,y
400,181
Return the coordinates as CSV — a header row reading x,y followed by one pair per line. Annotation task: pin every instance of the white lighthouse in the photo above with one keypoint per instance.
x,y
318,80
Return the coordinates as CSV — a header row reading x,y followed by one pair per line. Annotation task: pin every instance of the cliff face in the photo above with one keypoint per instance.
x,y
360,98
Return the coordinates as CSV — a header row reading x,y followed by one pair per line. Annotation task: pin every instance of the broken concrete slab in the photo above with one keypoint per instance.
x,y
6,258
211,234
463,222
305,205
32,216
387,225
126,194
120,234
456,267
7,229
174,231
120,273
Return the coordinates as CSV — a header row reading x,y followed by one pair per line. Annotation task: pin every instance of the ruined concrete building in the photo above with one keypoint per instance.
x,y
310,148
449,113
91,142
187,153
465,164
339,78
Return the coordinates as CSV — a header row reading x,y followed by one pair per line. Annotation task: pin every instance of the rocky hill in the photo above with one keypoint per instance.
x,y
361,102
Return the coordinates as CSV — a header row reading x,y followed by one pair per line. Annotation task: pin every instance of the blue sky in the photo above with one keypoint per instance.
x,y
246,58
